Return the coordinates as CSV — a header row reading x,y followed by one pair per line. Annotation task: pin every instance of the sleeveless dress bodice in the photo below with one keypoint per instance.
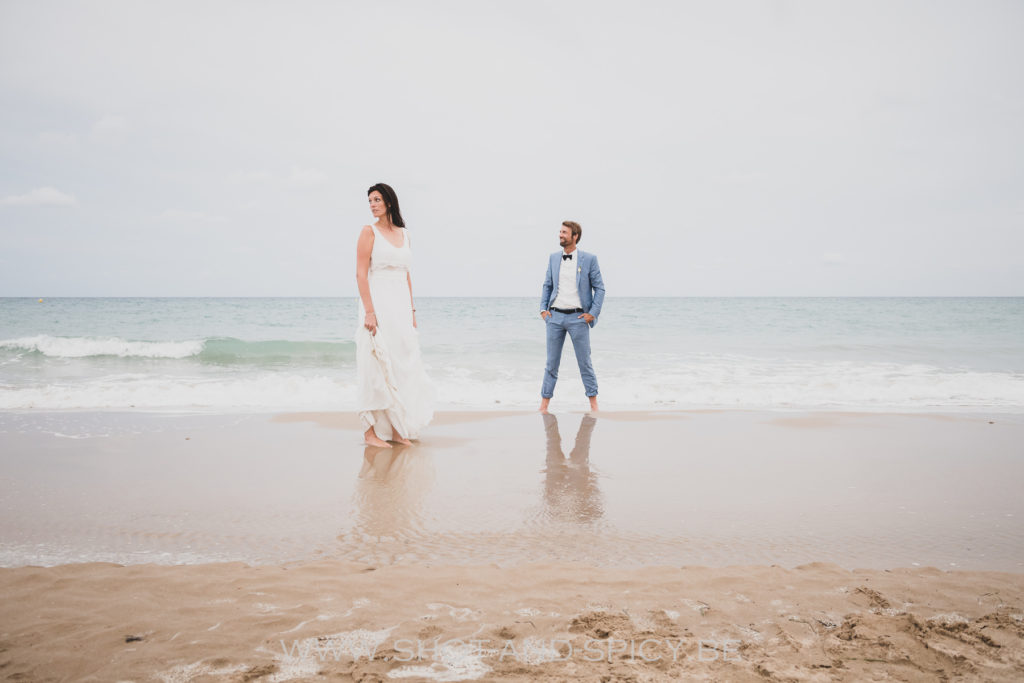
x,y
386,258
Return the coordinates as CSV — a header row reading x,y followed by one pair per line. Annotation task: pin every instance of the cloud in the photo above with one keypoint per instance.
x,y
110,122
41,196
306,177
57,138
179,216
110,128
833,259
296,177
247,177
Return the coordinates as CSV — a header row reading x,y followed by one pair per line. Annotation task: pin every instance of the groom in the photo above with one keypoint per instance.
x,y
570,302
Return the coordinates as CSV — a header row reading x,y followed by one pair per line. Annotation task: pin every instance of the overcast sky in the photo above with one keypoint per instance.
x,y
707,148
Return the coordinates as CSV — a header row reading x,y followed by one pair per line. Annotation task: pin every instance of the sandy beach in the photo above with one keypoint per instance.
x,y
343,621
723,545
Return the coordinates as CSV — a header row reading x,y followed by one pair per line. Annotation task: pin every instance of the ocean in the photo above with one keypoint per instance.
x,y
298,354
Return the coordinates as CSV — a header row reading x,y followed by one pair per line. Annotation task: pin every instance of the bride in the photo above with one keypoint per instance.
x,y
395,397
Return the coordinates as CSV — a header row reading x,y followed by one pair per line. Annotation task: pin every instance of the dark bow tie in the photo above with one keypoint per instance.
x,y
566,257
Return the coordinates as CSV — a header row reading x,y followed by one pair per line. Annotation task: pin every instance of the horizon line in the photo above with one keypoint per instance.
x,y
618,296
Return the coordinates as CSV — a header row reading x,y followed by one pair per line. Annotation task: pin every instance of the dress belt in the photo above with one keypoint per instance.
x,y
567,310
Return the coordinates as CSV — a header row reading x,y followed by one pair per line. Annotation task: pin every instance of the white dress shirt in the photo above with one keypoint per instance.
x,y
568,296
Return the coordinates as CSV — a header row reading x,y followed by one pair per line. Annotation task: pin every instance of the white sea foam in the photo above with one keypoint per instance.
x,y
84,347
767,383
451,662
270,391
721,383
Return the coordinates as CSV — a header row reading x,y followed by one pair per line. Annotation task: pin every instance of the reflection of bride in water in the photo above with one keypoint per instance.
x,y
389,496
571,491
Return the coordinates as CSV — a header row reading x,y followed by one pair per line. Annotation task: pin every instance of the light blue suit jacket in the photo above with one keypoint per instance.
x,y
588,283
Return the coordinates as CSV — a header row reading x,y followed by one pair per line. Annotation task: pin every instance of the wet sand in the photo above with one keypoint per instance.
x,y
506,546
626,489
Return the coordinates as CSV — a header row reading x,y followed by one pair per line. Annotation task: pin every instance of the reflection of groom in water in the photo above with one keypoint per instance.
x,y
570,302
571,490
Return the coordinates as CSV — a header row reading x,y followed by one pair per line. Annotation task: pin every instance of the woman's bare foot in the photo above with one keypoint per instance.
x,y
372,439
402,440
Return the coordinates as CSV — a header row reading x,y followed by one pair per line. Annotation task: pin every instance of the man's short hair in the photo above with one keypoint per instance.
x,y
577,231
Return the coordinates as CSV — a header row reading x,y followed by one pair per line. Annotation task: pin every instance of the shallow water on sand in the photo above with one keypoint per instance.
x,y
622,489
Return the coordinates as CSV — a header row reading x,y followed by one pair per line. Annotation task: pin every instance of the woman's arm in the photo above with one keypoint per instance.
x,y
363,250
408,278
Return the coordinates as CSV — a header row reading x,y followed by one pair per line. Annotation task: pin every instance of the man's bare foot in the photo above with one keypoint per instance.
x,y
372,439
593,404
544,406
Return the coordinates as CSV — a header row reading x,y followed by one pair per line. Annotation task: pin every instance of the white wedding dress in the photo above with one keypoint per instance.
x,y
395,396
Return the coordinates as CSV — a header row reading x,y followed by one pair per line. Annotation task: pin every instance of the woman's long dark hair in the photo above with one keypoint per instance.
x,y
390,201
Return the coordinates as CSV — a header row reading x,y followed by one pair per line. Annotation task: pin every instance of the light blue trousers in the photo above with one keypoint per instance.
x,y
558,324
